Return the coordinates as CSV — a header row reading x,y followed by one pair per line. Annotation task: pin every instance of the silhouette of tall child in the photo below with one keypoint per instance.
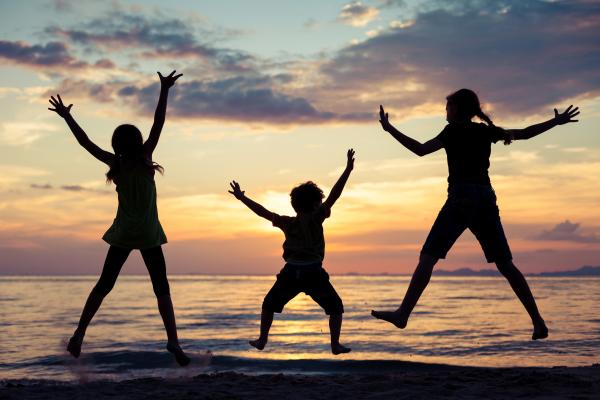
x,y
303,252
471,200
136,225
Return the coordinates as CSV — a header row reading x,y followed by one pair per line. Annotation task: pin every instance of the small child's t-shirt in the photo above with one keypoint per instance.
x,y
304,240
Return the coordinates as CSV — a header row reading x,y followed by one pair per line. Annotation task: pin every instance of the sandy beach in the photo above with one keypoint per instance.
x,y
401,380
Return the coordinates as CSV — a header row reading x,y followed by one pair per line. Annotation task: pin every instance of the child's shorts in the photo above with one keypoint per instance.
x,y
311,279
474,207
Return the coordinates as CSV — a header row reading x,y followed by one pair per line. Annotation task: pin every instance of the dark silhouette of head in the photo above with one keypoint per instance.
x,y
127,142
463,105
306,197
128,145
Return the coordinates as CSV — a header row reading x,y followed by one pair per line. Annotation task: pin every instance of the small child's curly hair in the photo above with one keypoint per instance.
x,y
306,197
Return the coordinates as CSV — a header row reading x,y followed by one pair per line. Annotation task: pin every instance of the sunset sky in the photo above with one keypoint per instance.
x,y
273,94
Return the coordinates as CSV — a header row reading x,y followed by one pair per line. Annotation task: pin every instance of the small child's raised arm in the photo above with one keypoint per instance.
x,y
337,189
251,204
83,139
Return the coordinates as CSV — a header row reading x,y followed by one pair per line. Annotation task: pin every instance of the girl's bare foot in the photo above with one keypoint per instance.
x,y
339,349
74,345
392,317
180,356
540,332
258,343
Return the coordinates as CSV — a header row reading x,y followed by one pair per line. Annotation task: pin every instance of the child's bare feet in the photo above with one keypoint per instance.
x,y
339,349
258,343
74,345
540,332
392,317
180,356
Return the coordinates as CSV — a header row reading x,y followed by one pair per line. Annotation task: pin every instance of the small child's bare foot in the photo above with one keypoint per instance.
x,y
258,343
74,345
180,356
539,332
392,317
340,349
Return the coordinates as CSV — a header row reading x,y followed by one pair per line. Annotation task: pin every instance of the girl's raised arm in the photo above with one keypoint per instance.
x,y
166,82
83,139
534,130
420,149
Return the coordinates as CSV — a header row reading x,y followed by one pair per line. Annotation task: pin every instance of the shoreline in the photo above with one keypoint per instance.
x,y
380,381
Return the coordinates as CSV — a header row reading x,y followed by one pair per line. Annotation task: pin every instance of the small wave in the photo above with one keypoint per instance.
x,y
449,332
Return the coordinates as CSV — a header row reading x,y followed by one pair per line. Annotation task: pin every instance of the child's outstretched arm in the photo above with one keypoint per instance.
x,y
166,82
251,204
83,139
336,191
420,149
534,130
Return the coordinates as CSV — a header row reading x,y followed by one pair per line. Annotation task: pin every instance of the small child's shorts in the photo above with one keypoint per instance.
x,y
311,279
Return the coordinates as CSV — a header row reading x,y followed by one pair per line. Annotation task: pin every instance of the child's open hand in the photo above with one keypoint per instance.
x,y
59,107
350,162
567,116
384,119
169,80
237,191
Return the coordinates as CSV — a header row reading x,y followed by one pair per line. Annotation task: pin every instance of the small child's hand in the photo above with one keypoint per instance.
x,y
59,107
350,162
567,116
237,191
169,80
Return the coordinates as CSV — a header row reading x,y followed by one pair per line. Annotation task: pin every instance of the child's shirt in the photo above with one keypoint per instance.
x,y
304,240
136,225
468,147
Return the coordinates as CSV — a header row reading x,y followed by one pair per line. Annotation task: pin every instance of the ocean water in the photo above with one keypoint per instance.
x,y
461,321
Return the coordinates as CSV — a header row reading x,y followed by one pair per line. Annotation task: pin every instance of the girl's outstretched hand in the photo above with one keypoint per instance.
x,y
59,107
567,116
350,162
384,119
237,191
169,80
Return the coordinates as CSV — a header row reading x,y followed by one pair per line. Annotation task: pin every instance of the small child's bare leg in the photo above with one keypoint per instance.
x,y
266,319
335,327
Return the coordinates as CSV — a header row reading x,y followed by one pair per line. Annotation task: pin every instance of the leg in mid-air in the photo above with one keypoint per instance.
x,y
521,288
266,320
155,263
325,295
280,294
418,283
115,258
488,230
335,327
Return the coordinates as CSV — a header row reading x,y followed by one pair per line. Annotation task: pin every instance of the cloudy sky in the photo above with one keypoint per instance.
x,y
273,94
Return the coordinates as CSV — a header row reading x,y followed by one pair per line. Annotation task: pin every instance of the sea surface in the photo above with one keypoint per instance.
x,y
461,321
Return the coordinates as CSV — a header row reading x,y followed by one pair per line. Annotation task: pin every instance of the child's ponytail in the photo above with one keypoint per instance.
x,y
483,116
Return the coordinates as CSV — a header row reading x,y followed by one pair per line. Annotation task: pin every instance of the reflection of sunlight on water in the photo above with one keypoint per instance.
x,y
474,321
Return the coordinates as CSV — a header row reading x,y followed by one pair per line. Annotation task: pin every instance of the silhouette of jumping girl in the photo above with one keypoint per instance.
x,y
136,225
471,200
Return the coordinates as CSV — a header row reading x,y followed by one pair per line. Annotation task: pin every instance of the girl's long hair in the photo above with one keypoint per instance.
x,y
468,106
128,145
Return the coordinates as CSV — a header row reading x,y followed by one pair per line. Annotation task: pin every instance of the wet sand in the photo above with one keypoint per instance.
x,y
406,381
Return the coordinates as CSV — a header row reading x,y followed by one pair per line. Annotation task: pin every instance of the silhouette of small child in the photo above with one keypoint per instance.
x,y
303,251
